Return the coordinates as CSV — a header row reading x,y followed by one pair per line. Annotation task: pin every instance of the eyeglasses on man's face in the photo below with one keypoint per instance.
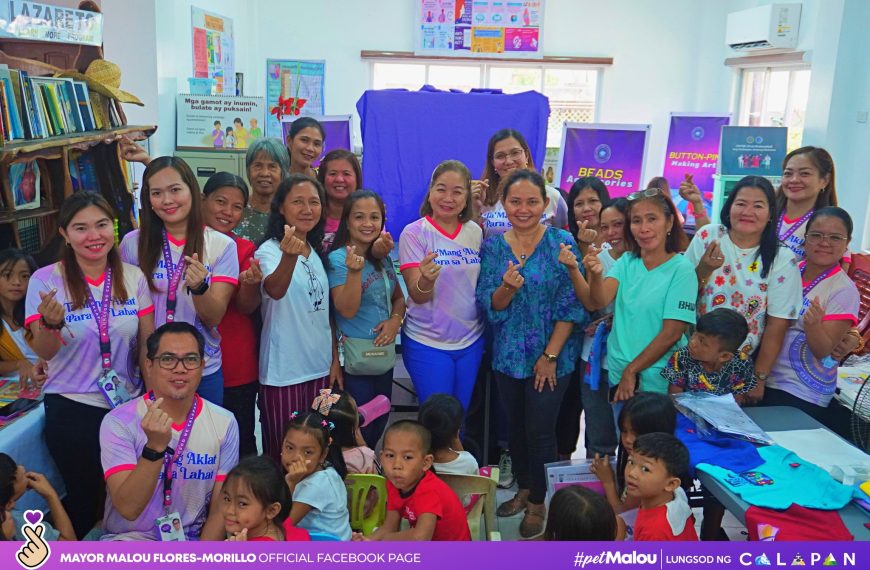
x,y
169,361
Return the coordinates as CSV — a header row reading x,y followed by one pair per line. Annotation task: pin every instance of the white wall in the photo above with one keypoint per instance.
x,y
132,48
668,56
152,42
833,32
640,36
846,138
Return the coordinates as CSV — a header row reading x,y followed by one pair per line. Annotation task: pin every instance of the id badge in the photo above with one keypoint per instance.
x,y
169,527
113,388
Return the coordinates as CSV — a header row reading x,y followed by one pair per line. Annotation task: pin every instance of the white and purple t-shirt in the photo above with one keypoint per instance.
x,y
212,450
796,370
451,320
74,370
495,220
221,261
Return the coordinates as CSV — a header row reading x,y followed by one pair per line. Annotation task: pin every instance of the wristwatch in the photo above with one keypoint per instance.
x,y
762,376
551,357
203,287
152,455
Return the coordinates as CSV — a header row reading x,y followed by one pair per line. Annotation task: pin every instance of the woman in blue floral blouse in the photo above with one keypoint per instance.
x,y
529,302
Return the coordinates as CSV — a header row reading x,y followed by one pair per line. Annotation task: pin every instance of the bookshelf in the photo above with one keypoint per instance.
x,y
68,159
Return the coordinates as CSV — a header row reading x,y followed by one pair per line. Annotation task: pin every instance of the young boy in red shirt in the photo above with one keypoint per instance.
x,y
414,492
653,472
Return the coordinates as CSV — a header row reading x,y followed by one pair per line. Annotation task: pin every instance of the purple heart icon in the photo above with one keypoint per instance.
x,y
33,517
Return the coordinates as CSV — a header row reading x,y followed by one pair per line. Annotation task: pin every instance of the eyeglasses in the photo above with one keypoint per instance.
x,y
514,155
648,193
818,237
170,361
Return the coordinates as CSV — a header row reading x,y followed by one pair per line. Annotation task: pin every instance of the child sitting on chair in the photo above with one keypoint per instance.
x,y
414,492
653,475
341,409
712,361
442,415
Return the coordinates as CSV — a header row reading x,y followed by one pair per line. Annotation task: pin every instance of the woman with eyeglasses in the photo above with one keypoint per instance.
x,y
804,374
741,265
298,355
508,151
808,184
88,313
653,289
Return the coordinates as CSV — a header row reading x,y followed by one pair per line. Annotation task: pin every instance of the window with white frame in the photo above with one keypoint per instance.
x,y
775,97
572,89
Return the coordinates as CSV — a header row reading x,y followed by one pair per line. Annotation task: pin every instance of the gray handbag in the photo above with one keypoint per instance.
x,y
361,356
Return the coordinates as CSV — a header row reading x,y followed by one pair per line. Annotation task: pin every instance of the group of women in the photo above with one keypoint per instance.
x,y
280,274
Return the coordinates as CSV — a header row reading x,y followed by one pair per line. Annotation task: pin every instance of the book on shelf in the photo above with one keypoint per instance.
x,y
11,122
14,107
31,120
50,112
83,171
11,115
28,233
40,107
84,102
5,119
100,105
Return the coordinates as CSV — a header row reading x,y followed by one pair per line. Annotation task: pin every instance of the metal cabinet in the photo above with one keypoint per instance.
x,y
205,163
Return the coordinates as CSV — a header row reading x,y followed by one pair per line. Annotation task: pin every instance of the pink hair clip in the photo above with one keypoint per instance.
x,y
324,402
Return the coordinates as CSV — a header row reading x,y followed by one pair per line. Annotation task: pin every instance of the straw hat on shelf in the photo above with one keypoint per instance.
x,y
104,77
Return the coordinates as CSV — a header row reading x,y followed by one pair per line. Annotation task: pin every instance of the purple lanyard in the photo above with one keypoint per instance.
x,y
789,232
173,274
821,277
101,315
172,456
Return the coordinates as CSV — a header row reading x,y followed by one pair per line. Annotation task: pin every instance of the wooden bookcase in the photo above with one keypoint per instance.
x,y
35,230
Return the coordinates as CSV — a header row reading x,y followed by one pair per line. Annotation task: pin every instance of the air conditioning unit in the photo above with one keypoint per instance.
x,y
770,27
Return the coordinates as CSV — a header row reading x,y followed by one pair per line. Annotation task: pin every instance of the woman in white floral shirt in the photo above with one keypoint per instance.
x,y
742,265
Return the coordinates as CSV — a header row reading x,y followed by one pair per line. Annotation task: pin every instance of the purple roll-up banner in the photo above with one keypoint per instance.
x,y
613,153
693,149
338,133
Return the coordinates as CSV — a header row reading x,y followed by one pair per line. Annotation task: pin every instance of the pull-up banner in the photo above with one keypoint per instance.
x,y
613,153
693,149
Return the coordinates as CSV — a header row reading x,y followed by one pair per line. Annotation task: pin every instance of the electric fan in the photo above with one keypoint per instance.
x,y
861,418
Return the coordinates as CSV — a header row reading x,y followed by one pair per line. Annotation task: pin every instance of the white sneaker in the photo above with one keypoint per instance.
x,y
506,478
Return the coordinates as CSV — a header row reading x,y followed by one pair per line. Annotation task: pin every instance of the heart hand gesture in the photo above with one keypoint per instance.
x,y
291,245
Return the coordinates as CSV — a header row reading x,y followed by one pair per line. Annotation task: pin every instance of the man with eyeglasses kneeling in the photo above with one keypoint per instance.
x,y
166,454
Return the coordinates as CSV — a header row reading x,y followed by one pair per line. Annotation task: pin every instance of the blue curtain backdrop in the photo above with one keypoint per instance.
x,y
407,133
